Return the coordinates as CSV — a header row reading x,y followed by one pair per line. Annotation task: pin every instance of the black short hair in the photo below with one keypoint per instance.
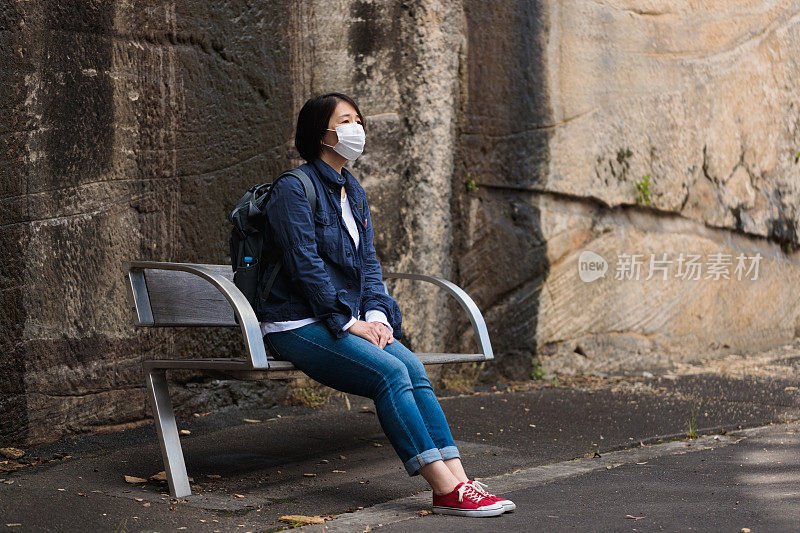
x,y
312,122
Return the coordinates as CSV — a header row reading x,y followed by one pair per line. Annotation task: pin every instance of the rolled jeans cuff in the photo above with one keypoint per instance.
x,y
420,460
449,452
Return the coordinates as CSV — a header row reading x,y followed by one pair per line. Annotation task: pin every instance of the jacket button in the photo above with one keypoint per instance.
x,y
348,254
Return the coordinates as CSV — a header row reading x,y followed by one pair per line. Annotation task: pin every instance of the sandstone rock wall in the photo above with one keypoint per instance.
x,y
129,129
701,97
133,127
571,104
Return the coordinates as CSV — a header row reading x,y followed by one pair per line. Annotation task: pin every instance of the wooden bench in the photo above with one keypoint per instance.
x,y
184,294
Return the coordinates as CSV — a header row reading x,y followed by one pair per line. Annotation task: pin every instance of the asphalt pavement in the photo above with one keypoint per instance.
x,y
578,453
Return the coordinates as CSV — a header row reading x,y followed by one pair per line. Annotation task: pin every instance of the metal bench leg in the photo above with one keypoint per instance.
x,y
164,419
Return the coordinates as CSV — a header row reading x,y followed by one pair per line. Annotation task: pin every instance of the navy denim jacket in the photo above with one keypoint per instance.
x,y
323,275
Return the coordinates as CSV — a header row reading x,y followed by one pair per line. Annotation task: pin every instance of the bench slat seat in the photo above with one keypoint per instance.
x,y
164,294
240,368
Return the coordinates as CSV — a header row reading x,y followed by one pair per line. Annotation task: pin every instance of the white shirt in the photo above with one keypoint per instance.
x,y
373,315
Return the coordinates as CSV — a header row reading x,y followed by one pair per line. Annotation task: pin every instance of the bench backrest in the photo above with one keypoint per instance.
x,y
186,294
177,298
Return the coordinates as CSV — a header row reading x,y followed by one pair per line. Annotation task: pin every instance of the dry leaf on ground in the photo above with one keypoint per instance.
x,y
162,476
12,453
303,519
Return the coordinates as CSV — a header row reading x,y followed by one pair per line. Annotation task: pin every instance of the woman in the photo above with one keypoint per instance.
x,y
312,316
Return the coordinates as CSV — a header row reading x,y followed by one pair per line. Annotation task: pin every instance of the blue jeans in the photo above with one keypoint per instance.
x,y
393,377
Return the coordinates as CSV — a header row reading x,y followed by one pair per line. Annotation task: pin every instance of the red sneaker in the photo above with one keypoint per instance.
x,y
508,505
464,500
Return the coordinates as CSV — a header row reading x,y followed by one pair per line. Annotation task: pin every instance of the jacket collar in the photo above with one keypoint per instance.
x,y
333,179
329,174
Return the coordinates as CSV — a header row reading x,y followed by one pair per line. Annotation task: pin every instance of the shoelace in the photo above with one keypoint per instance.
x,y
467,490
481,488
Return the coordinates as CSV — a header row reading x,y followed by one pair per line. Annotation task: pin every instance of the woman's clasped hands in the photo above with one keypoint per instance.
x,y
375,332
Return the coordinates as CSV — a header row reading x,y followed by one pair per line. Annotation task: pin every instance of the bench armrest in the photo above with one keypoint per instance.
x,y
475,316
248,321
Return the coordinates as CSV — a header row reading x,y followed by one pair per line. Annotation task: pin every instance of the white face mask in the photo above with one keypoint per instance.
x,y
351,140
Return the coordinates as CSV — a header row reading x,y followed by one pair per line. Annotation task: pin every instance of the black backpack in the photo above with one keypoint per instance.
x,y
249,219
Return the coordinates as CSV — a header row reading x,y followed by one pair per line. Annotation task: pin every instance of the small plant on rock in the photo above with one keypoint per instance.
x,y
537,372
643,189
470,184
692,427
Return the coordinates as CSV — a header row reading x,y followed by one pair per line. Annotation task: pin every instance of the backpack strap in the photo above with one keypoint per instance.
x,y
311,195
